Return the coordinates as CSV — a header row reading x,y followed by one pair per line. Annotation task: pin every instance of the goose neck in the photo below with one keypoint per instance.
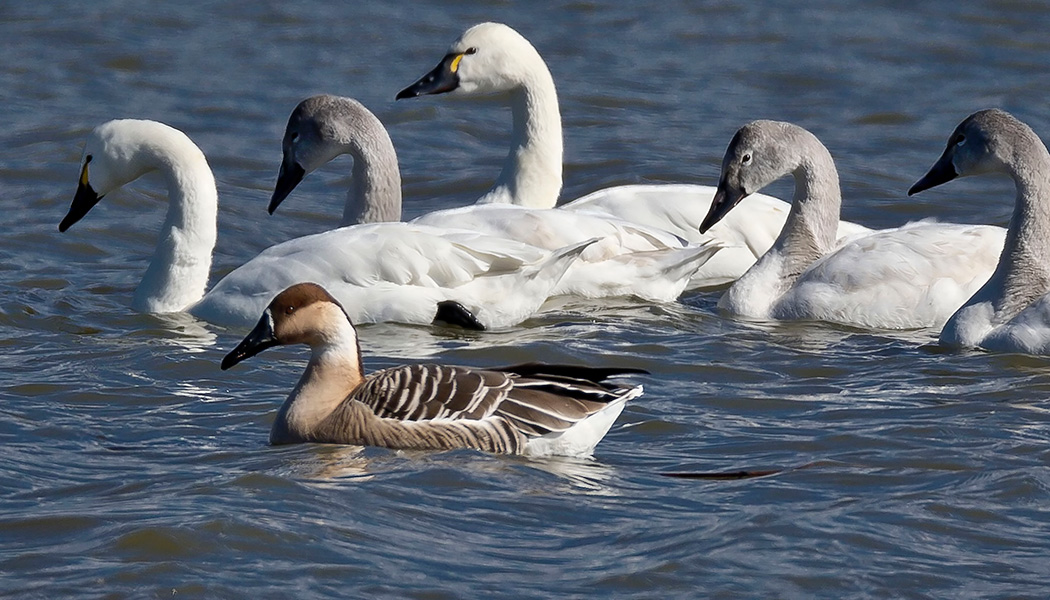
x,y
333,372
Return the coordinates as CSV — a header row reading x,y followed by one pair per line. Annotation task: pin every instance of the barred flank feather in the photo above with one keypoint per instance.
x,y
442,407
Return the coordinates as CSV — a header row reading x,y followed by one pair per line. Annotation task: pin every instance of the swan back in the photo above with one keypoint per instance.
x,y
323,127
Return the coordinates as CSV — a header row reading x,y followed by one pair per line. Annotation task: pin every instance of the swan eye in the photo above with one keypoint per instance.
x,y
295,136
745,159
471,50
960,140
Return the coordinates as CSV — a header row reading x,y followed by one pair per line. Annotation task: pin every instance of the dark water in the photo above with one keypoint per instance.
x,y
132,467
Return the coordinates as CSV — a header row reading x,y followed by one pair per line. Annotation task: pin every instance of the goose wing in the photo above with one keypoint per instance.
x,y
536,399
428,391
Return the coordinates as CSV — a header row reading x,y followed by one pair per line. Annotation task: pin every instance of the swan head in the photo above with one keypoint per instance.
x,y
760,153
319,129
985,142
116,153
488,58
302,314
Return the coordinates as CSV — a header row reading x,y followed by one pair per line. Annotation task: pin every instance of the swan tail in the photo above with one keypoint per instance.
x,y
516,296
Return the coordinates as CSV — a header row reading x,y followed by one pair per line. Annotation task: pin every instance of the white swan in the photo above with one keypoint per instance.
x,y
493,58
627,260
1011,312
536,410
386,271
910,277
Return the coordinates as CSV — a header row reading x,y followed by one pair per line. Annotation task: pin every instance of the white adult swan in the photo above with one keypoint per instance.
x,y
385,271
1011,312
627,259
493,58
910,277
533,409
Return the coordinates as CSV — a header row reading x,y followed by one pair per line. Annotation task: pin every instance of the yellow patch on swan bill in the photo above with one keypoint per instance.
x,y
84,174
455,62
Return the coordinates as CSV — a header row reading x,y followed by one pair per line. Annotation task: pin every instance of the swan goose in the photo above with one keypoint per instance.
x,y
626,260
1011,312
387,271
910,277
493,58
535,410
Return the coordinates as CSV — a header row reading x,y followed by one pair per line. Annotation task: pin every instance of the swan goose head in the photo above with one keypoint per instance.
x,y
760,153
988,141
488,58
302,314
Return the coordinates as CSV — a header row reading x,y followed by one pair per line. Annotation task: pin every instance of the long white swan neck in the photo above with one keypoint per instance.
x,y
375,181
177,275
334,371
532,172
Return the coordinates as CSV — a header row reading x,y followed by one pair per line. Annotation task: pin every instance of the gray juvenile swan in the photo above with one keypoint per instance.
x,y
909,277
1011,312
535,410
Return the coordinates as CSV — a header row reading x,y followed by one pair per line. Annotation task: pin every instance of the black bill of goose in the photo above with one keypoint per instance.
x,y
533,409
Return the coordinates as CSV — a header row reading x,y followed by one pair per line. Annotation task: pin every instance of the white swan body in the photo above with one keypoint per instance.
x,y
628,259
532,409
492,58
909,277
1011,312
679,208
394,271
397,272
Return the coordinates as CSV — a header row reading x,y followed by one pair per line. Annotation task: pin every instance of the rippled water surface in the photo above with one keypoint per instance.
x,y
133,467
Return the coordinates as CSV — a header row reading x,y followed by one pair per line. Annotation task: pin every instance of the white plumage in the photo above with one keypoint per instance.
x,y
679,208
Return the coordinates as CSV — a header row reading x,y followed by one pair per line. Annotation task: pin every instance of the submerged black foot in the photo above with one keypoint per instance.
x,y
451,312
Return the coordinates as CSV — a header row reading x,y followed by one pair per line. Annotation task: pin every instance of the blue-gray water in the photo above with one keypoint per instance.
x,y
132,467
